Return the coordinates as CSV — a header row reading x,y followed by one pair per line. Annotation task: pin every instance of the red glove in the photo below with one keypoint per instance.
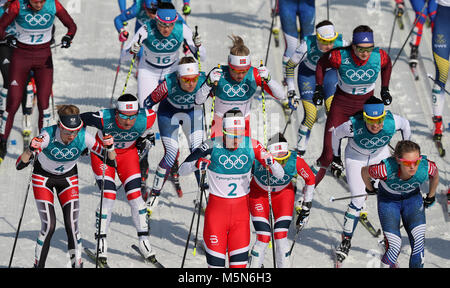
x,y
202,163
36,143
108,142
123,36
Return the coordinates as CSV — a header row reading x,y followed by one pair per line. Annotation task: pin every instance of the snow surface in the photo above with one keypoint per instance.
x,y
84,76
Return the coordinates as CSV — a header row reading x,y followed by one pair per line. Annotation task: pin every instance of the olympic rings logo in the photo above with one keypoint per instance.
x,y
38,19
184,99
124,136
405,186
233,161
274,180
364,75
236,90
164,44
374,142
65,153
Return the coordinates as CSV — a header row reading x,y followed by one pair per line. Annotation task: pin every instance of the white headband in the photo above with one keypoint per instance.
x,y
128,106
239,61
188,69
326,32
278,147
233,122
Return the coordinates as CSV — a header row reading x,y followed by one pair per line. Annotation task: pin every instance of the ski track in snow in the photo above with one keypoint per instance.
x,y
84,76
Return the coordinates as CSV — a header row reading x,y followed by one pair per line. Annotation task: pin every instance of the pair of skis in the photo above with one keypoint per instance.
x,y
103,264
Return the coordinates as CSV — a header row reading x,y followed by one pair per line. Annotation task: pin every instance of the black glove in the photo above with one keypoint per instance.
x,y
303,215
337,167
318,95
428,201
11,41
143,142
386,96
66,41
374,190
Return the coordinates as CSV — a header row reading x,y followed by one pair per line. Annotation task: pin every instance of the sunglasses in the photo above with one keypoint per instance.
x,y
410,163
189,80
373,121
364,49
232,135
127,117
165,25
325,42
239,71
282,160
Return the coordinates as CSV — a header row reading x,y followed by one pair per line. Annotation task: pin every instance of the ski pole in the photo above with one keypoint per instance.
x,y
105,154
443,88
409,34
213,104
289,121
393,29
131,68
21,216
202,181
269,194
117,74
202,189
270,37
332,199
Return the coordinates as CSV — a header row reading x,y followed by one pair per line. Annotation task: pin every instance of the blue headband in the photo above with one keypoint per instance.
x,y
362,37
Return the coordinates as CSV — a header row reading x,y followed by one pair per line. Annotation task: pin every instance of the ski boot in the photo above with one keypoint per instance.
x,y
303,135
146,248
102,251
413,60
175,177
343,249
26,131
437,133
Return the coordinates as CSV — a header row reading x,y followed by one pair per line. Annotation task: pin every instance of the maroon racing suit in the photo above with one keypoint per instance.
x,y
344,105
30,57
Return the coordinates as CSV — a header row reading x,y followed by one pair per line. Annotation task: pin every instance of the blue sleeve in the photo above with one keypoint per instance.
x,y
126,15
122,5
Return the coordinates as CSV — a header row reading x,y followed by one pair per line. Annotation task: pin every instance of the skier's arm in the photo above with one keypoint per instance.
x,y
272,87
386,68
202,94
27,155
306,173
122,5
93,119
66,19
190,164
187,35
159,94
97,148
293,62
124,16
8,17
376,171
402,124
140,36
433,175
262,155
330,59
342,131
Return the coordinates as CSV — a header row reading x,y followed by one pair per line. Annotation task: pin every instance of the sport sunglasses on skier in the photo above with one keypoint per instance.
x,y
189,80
364,49
240,133
374,120
410,163
128,117
283,159
166,25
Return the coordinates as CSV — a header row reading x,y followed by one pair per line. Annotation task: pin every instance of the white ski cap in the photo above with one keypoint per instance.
x,y
280,147
326,32
236,122
239,62
188,69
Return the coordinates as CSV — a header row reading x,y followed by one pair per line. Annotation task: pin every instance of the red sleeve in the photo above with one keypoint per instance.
x,y
432,168
259,81
66,19
328,60
305,172
378,171
159,93
8,17
151,116
386,68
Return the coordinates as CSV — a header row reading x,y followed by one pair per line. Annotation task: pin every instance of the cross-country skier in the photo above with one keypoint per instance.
x,y
441,55
358,67
306,55
56,152
161,39
130,127
400,199
233,85
6,52
34,23
369,135
290,10
142,10
176,97
229,171
282,197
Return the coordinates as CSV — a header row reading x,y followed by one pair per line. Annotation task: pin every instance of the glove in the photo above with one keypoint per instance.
x,y
197,40
108,142
337,167
428,201
318,95
293,99
202,164
135,47
268,159
36,143
264,73
303,215
143,144
123,35
11,41
186,9
214,76
66,40
386,96
374,190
